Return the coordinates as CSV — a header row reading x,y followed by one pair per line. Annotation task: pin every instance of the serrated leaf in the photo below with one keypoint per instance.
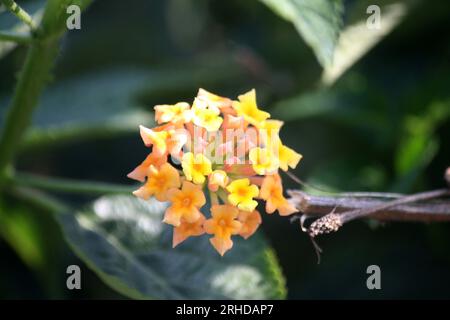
x,y
317,21
124,241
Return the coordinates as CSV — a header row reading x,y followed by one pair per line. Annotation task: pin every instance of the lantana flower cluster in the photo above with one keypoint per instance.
x,y
228,151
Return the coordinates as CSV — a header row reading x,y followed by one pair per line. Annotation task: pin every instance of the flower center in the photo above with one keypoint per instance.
x,y
198,167
186,201
242,192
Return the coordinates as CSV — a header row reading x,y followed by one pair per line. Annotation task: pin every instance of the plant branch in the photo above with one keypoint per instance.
x,y
19,12
69,185
39,61
334,211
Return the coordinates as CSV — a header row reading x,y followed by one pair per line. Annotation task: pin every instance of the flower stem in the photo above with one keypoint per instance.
x,y
40,200
213,198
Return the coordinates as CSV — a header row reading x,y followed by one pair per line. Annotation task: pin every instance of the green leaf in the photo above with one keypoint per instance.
x,y
9,23
419,144
91,105
317,21
124,241
29,232
356,39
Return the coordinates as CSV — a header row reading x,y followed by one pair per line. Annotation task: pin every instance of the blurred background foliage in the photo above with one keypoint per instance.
x,y
378,119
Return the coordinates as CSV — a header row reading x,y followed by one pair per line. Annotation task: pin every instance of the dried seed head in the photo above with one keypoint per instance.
x,y
327,224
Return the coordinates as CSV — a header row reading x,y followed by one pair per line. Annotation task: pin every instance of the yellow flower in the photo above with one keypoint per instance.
x,y
272,192
218,178
196,168
213,100
159,181
242,194
223,225
176,113
185,204
206,117
250,222
247,108
270,130
287,157
187,229
263,161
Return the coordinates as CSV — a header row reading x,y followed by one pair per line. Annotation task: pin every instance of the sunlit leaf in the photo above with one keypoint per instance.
x,y
317,21
356,38
124,241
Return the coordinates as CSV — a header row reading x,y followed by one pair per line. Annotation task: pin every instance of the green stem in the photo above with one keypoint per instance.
x,y
19,12
35,73
69,185
15,37
39,200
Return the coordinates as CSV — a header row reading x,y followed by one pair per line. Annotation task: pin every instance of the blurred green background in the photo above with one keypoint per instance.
x,y
383,126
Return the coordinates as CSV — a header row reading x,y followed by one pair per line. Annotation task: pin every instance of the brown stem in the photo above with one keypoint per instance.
x,y
416,207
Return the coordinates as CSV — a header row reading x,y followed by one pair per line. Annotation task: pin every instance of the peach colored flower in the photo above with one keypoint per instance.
x,y
185,204
250,222
223,225
159,181
187,229
272,192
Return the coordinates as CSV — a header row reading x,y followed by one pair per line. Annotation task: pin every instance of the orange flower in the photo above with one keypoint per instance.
x,y
185,204
223,225
164,139
250,222
228,150
272,192
187,229
140,172
159,181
